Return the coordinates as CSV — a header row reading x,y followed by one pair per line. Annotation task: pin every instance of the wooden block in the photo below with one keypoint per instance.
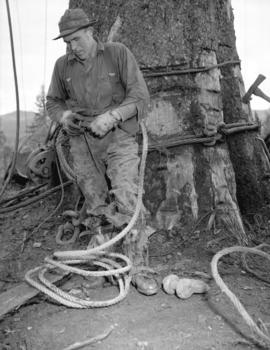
x,y
15,297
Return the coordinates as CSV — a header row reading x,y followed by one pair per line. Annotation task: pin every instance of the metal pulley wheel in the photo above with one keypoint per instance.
x,y
39,163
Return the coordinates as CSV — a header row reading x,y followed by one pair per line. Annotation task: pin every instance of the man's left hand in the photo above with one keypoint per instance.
x,y
104,123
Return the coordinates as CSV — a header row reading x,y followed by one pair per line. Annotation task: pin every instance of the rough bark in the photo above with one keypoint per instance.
x,y
183,183
248,157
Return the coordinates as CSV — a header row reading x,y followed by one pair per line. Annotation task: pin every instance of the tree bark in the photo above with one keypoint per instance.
x,y
186,182
250,162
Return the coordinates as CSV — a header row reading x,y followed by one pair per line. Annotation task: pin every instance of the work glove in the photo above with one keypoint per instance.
x,y
105,122
68,122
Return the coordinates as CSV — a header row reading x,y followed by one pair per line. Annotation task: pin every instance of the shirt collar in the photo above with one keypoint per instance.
x,y
100,49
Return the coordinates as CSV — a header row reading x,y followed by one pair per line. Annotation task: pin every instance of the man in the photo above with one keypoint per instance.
x,y
101,87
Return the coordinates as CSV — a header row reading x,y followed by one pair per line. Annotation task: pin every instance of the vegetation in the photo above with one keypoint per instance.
x,y
5,153
37,131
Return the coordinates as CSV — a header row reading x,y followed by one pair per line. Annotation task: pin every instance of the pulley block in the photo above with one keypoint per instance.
x,y
39,163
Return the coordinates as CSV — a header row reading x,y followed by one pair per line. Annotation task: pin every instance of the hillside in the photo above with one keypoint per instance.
x,y
8,124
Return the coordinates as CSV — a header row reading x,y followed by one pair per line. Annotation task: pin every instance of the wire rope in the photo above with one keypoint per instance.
x,y
45,45
14,158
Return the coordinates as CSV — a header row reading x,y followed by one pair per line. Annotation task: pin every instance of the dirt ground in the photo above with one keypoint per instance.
x,y
138,322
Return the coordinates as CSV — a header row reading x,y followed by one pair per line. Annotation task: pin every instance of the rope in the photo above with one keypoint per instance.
x,y
265,148
45,45
35,199
61,138
187,71
71,301
64,265
27,237
240,308
90,255
122,234
225,129
55,209
24,193
222,130
14,157
229,129
252,272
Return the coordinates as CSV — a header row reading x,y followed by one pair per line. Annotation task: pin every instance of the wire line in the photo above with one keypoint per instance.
x,y
45,45
14,158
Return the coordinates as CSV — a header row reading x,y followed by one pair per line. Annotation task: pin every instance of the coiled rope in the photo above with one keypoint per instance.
x,y
96,256
264,338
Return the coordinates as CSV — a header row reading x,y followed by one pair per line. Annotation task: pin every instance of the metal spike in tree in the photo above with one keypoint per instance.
x,y
186,50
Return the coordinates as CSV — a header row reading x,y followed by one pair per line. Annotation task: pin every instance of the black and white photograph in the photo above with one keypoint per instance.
x,y
134,174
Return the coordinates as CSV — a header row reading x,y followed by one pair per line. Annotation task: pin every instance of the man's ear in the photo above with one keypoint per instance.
x,y
90,30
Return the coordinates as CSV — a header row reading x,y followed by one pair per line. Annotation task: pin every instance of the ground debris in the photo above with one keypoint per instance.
x,y
98,338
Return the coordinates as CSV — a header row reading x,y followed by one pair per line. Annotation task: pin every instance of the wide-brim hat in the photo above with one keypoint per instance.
x,y
73,20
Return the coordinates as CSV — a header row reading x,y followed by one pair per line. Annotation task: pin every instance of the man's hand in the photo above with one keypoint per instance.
x,y
104,123
68,122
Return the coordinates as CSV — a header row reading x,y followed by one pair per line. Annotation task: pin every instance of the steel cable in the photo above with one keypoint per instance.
x,y
236,302
14,157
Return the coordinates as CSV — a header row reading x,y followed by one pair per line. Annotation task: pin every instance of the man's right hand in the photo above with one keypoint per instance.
x,y
68,122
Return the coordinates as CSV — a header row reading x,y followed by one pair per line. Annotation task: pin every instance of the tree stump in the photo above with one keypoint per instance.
x,y
186,181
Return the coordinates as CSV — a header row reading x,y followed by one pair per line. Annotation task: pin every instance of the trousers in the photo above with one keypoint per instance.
x,y
107,175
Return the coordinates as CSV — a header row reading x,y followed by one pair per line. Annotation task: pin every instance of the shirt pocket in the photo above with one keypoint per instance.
x,y
118,92
105,91
69,87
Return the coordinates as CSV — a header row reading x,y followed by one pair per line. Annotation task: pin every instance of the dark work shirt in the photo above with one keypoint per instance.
x,y
112,80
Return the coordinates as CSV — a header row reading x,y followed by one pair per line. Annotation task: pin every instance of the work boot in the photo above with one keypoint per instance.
x,y
135,246
144,281
99,234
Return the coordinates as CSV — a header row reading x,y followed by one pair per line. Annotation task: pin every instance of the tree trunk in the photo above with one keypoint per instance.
x,y
186,182
250,162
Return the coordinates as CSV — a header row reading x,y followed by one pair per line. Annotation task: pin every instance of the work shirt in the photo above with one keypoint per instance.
x,y
112,80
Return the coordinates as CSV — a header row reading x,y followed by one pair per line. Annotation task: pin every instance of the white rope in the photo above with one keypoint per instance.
x,y
236,302
95,256
123,233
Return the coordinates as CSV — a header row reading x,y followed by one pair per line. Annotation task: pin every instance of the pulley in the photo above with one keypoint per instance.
x,y
39,163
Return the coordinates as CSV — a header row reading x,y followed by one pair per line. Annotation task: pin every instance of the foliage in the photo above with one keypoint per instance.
x,y
37,131
5,154
3,139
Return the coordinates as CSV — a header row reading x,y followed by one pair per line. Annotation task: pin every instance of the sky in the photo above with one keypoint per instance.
x,y
35,24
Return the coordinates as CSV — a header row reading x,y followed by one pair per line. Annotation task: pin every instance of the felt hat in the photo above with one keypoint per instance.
x,y
73,20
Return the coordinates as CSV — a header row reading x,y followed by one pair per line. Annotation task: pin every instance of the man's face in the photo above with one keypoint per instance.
x,y
80,43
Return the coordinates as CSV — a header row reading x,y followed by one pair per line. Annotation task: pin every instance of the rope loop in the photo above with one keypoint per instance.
x,y
114,265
